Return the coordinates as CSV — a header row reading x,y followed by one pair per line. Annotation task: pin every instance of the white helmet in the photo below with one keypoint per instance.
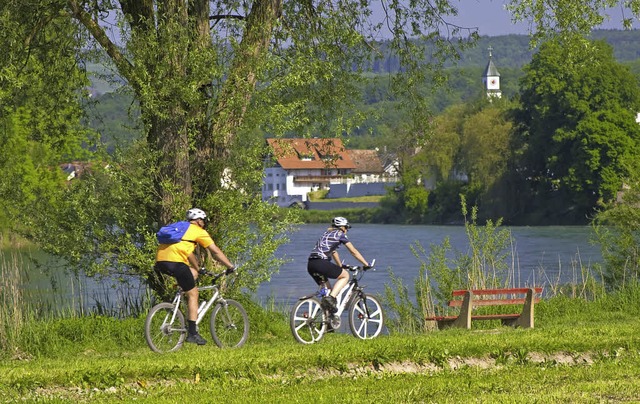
x,y
340,221
195,214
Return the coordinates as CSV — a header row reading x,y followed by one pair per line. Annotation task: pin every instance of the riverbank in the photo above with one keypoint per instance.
x,y
579,352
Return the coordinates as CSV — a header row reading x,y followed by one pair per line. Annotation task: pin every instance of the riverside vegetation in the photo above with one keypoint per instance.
x,y
585,348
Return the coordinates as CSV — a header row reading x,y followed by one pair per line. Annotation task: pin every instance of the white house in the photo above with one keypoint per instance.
x,y
369,177
299,166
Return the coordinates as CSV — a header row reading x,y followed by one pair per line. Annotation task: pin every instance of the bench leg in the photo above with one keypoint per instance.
x,y
464,319
526,317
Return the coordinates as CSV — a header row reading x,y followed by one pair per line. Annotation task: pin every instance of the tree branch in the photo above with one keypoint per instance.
x,y
226,16
125,68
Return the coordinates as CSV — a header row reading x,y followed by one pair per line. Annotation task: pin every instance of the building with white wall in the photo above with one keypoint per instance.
x,y
299,166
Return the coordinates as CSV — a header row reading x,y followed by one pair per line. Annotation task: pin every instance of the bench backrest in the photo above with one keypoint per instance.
x,y
494,292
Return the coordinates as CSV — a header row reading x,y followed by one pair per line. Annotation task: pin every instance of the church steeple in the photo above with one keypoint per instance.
x,y
491,78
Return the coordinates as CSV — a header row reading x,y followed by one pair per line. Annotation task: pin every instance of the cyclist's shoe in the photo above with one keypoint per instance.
x,y
196,339
329,303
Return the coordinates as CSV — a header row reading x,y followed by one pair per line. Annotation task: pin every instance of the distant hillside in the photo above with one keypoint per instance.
x,y
116,117
512,51
509,51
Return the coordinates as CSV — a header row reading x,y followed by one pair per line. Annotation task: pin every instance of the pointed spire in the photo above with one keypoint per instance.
x,y
491,69
491,77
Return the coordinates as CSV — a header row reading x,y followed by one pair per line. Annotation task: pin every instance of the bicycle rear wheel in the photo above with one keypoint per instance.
x,y
161,334
229,324
308,323
365,317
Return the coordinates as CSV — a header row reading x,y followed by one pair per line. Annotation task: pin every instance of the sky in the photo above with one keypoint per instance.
x,y
492,19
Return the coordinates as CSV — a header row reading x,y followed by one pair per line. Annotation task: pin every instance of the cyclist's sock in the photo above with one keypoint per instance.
x,y
191,327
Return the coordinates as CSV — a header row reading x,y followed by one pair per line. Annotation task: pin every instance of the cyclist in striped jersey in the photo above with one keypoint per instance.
x,y
322,269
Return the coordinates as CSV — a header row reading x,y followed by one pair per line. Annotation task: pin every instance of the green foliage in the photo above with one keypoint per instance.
x,y
405,317
484,265
40,88
576,135
116,117
355,215
617,231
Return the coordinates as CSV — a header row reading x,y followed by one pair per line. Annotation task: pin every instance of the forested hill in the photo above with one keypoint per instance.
x,y
513,51
115,116
509,51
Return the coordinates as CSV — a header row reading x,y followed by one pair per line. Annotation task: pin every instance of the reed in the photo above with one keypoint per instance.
x,y
12,305
490,262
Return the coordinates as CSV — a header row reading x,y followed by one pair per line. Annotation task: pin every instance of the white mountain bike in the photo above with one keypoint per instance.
x,y
165,329
309,321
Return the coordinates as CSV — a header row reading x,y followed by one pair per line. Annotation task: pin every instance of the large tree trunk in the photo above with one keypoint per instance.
x,y
170,123
235,95
174,183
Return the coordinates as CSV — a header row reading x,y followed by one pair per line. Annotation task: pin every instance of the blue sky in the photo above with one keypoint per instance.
x,y
492,19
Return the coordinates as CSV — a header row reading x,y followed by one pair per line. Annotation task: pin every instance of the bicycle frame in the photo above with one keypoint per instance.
x,y
344,296
205,305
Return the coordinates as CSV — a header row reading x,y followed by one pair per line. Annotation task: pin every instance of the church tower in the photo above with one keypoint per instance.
x,y
491,78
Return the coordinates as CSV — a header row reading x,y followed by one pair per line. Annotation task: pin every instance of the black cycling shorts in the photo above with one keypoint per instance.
x,y
321,269
180,271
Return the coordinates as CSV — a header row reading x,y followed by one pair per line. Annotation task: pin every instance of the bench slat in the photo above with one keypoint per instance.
x,y
491,302
495,291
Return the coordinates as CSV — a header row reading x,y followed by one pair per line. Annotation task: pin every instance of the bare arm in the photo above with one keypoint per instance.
x,y
356,254
336,258
193,260
219,255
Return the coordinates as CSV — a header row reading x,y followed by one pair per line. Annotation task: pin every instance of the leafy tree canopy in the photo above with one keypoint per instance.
x,y
209,76
576,127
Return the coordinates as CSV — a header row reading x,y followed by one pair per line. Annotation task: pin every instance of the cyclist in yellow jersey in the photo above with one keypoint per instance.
x,y
179,261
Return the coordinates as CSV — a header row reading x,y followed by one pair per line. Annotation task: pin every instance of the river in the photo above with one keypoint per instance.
x,y
539,255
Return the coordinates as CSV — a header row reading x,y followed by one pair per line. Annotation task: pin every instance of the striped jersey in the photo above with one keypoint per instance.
x,y
328,243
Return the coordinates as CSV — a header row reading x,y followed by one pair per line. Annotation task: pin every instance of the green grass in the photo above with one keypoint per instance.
x,y
368,198
579,352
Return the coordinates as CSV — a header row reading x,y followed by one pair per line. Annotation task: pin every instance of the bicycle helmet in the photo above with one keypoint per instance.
x,y
340,221
195,214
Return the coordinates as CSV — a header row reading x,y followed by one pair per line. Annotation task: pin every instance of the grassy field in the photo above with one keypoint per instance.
x,y
579,352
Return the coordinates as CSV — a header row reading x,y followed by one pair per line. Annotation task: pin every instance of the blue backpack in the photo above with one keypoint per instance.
x,y
172,233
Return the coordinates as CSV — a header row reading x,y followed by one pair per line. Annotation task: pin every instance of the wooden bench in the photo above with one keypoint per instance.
x,y
498,297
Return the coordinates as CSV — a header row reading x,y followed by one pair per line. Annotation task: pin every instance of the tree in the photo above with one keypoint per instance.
x,y
40,84
205,75
576,131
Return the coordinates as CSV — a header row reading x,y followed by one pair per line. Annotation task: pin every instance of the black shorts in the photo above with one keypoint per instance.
x,y
178,270
321,269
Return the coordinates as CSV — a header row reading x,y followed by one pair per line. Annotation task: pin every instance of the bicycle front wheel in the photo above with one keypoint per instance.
x,y
308,323
229,324
365,317
163,334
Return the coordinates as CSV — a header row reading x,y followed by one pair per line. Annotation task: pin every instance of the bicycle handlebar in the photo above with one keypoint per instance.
x,y
354,268
217,276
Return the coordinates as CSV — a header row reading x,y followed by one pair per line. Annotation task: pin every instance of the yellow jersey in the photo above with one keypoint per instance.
x,y
178,252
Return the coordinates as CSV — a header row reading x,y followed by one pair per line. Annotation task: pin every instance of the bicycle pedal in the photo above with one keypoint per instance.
x,y
334,322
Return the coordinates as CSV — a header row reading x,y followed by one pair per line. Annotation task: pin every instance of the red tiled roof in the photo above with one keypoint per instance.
x,y
366,161
311,153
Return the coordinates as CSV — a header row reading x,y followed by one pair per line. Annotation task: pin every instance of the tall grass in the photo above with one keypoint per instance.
x,y
28,313
489,262
12,309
